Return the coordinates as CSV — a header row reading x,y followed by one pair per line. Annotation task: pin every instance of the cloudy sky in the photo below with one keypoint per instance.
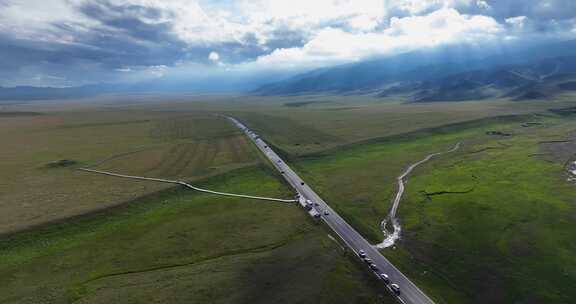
x,y
74,42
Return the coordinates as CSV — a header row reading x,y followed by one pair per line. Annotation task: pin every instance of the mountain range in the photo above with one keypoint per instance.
x,y
449,73
446,74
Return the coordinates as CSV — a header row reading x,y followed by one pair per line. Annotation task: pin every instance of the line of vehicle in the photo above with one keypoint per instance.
x,y
397,281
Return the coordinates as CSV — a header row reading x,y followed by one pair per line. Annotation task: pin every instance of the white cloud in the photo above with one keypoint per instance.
x,y
214,57
483,4
517,22
124,70
443,26
31,19
157,71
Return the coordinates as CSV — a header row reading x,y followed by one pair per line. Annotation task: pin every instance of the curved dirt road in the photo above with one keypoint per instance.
x,y
161,180
391,237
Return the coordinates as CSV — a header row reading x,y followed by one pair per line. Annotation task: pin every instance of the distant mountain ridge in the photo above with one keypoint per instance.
x,y
519,82
164,85
450,73
442,75
21,93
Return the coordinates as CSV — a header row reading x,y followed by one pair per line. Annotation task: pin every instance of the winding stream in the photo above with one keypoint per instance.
x,y
391,237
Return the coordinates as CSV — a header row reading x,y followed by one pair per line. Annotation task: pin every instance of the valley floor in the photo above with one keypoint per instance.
x,y
491,222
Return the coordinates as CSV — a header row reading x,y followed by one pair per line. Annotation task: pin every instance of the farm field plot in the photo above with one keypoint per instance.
x,y
41,150
197,146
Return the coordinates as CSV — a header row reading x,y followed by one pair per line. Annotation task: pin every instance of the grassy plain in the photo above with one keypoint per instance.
x,y
184,145
174,137
509,236
349,120
319,123
178,246
506,234
491,223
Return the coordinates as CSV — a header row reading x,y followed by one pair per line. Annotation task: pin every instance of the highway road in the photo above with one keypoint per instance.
x,y
409,292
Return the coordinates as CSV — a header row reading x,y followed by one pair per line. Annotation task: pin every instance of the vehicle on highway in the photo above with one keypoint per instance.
x,y
350,237
283,172
395,288
315,214
326,212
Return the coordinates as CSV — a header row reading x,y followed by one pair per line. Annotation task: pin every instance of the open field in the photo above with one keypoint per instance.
x,y
178,138
507,193
171,145
492,222
179,246
319,123
517,207
337,121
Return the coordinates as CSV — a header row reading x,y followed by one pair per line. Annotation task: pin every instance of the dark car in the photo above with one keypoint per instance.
x,y
374,267
302,183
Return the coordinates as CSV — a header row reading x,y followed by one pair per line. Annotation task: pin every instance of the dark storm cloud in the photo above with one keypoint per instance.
x,y
283,37
118,48
543,17
129,35
540,10
18,53
126,36
130,20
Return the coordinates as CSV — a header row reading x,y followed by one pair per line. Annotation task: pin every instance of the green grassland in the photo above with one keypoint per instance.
x,y
176,137
490,223
352,120
185,145
179,246
318,123
510,238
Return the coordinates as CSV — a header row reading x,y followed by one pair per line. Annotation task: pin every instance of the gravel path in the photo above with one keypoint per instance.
x,y
391,237
161,180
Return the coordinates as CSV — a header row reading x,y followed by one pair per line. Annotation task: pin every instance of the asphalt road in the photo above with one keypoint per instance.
x,y
409,292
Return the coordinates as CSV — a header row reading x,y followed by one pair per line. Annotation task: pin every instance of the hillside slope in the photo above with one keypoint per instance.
x,y
455,73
